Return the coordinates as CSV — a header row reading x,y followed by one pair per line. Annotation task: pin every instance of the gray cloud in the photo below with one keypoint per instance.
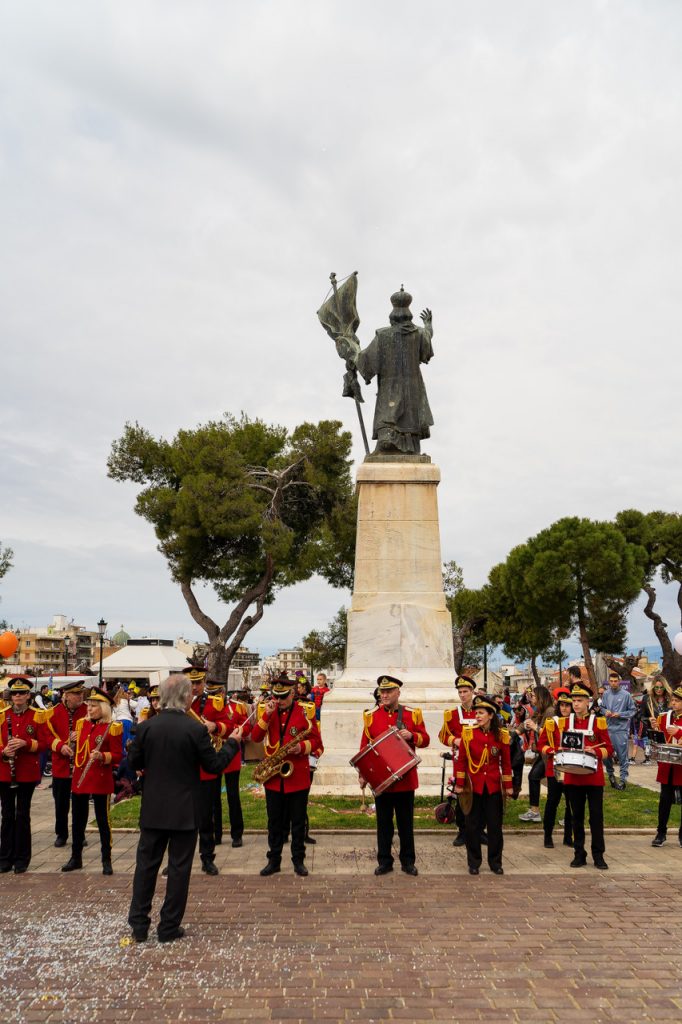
x,y
177,183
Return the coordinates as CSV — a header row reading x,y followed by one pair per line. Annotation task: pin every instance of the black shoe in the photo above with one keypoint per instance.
x,y
85,843
579,861
140,936
568,842
60,842
270,869
19,869
237,842
459,840
165,872
659,840
309,841
73,864
549,843
601,864
383,869
4,868
410,869
179,933
612,780
473,871
484,839
497,871
209,868
107,868
301,870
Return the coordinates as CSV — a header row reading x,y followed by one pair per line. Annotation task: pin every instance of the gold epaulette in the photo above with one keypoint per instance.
x,y
467,732
218,703
309,709
549,725
601,723
116,729
79,723
416,713
241,707
563,723
504,735
40,716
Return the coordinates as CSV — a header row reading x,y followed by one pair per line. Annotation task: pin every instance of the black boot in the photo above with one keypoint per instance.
x,y
106,867
73,864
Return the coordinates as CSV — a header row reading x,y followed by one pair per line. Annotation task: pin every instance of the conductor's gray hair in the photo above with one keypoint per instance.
x,y
174,692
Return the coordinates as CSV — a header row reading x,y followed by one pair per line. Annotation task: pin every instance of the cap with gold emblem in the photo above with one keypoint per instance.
x,y
486,703
388,683
678,693
196,675
463,681
20,684
282,685
100,695
580,690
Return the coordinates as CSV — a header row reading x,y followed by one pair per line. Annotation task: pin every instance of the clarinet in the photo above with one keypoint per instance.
x,y
11,758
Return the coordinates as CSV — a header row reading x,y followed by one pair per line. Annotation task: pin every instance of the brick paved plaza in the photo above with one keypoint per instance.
x,y
541,943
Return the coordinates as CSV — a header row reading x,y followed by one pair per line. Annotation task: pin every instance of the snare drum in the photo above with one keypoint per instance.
x,y
385,760
666,753
577,762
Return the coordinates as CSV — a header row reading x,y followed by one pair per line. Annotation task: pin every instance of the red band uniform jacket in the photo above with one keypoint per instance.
x,y
213,711
58,725
549,741
597,740
454,721
485,758
378,720
29,726
100,777
671,774
285,726
236,714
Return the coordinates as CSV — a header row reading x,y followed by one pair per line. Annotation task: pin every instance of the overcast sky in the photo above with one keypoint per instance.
x,y
177,181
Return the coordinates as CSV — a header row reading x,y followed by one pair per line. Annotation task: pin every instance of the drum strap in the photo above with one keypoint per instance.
x,y
401,711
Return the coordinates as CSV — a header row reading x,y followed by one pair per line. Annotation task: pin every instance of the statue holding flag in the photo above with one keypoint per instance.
x,y
402,416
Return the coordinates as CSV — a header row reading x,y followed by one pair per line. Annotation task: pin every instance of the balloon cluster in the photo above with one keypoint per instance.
x,y
677,643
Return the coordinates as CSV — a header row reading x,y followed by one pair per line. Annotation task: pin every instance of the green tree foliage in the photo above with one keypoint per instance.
x,y
324,648
6,556
523,635
575,575
469,616
244,507
660,536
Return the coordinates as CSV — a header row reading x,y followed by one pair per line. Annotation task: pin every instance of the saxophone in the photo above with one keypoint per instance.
x,y
278,763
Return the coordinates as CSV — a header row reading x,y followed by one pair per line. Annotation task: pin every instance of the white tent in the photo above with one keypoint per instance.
x,y
142,661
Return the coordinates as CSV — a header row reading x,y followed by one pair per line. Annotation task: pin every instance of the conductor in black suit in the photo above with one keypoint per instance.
x,y
169,749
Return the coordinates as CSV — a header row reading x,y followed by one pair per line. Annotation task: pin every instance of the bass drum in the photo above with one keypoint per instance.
x,y
385,760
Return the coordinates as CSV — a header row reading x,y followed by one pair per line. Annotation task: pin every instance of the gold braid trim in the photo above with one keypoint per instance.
x,y
474,769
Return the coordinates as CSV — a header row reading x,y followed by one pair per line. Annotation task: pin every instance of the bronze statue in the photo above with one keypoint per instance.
x,y
402,416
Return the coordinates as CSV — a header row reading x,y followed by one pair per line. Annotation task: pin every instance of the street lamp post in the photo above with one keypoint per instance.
x,y
101,625
67,646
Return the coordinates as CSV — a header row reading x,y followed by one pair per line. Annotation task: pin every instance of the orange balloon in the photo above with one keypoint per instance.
x,y
8,645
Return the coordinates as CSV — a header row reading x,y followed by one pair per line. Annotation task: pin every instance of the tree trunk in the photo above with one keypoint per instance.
x,y
534,670
585,643
672,661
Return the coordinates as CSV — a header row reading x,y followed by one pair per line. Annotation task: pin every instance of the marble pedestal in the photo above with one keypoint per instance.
x,y
398,623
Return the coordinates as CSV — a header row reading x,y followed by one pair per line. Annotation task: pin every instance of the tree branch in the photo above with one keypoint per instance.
x,y
201,618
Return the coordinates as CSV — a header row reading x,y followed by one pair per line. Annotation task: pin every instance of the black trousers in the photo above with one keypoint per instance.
x,y
594,797
80,810
61,792
486,812
15,826
150,850
234,807
535,777
286,809
207,802
402,806
665,803
555,790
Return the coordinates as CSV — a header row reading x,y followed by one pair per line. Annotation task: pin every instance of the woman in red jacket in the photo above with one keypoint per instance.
x,y
669,775
98,751
484,759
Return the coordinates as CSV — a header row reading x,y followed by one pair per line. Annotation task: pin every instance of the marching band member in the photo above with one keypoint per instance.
x,y
98,751
581,789
22,736
669,775
398,799
61,721
485,759
283,722
451,735
210,711
153,709
236,714
549,742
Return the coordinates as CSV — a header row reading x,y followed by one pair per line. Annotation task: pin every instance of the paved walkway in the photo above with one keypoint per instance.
x,y
541,943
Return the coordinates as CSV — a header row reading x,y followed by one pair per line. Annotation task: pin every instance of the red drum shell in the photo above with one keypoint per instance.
x,y
385,760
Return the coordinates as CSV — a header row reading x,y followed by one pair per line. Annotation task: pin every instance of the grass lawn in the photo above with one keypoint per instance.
x,y
633,808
